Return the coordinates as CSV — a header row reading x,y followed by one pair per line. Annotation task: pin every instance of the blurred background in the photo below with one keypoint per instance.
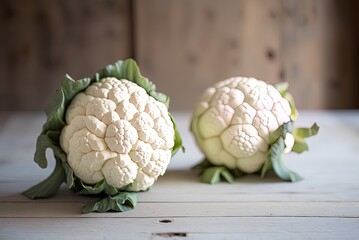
x,y
183,46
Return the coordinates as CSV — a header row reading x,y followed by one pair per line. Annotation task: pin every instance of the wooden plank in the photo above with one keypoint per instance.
x,y
320,54
180,228
342,54
324,205
196,43
181,44
184,186
325,168
43,40
303,51
36,209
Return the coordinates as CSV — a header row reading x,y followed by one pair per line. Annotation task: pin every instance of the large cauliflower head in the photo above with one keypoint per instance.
x,y
117,132
233,119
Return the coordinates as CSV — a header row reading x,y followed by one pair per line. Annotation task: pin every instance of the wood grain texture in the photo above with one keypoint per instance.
x,y
325,205
185,46
180,228
72,209
182,45
328,157
42,40
320,52
342,59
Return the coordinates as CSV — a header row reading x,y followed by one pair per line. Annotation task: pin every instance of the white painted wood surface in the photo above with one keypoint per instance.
x,y
325,205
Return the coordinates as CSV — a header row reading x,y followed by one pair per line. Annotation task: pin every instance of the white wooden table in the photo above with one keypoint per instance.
x,y
325,205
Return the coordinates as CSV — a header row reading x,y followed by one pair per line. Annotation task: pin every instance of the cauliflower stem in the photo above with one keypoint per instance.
x,y
112,198
210,173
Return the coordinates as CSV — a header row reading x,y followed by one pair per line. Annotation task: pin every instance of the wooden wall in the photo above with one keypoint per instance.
x,y
41,40
182,45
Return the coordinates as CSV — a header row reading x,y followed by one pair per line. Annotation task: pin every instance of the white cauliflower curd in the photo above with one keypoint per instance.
x,y
233,120
117,132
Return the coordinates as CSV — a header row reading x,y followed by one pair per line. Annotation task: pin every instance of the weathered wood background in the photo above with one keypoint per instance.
x,y
182,45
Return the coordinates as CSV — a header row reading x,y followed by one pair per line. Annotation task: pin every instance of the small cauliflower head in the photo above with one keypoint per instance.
x,y
233,119
117,132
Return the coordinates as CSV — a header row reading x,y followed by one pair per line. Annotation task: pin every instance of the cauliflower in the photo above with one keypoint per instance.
x,y
233,123
110,134
117,132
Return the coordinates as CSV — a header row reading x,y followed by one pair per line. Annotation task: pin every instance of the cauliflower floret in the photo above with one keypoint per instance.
x,y
233,120
117,132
